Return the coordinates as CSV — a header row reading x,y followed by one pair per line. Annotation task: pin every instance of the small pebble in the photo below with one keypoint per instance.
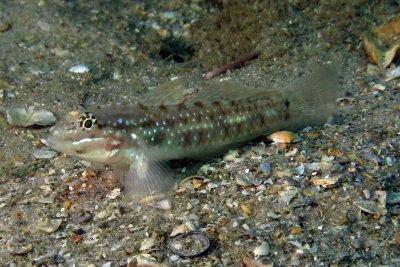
x,y
4,26
174,257
265,168
44,154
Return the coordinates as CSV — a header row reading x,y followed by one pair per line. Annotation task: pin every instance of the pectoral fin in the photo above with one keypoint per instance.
x,y
147,181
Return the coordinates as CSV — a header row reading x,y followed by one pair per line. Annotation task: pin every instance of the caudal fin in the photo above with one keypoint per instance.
x,y
312,100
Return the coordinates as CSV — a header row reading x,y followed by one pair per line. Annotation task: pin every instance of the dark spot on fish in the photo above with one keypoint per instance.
x,y
200,137
239,128
147,123
287,103
216,103
182,119
226,131
181,107
143,107
199,119
157,139
170,122
235,106
186,139
163,108
79,151
199,104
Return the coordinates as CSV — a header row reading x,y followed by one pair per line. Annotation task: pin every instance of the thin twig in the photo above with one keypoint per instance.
x,y
239,62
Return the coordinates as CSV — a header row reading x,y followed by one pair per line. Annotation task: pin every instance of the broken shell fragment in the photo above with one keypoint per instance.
x,y
284,137
148,243
18,246
143,260
299,170
329,181
262,250
32,116
371,207
183,228
376,53
48,225
393,74
188,245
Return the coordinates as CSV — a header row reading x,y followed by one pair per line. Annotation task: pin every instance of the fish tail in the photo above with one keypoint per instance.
x,y
312,100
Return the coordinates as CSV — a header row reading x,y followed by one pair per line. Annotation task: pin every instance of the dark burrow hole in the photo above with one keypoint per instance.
x,y
176,50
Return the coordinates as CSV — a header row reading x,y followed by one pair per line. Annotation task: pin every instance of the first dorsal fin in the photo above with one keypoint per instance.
x,y
168,93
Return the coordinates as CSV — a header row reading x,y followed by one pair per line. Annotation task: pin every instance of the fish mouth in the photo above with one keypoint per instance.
x,y
56,141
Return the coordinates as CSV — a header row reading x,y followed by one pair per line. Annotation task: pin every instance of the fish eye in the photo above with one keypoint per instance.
x,y
87,121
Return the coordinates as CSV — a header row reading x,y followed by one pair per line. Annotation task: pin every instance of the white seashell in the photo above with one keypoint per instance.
x,y
262,250
79,69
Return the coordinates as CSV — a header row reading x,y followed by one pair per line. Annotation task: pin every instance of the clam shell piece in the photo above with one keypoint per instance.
x,y
188,245
32,116
326,181
371,207
284,137
262,250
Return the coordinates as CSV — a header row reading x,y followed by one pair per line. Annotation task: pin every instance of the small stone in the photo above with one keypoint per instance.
x,y
397,238
114,193
4,26
265,168
44,154
75,238
393,198
231,155
379,87
196,183
67,204
246,211
88,173
46,200
174,257
295,230
356,243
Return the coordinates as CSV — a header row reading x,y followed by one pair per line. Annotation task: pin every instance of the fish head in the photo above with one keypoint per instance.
x,y
80,135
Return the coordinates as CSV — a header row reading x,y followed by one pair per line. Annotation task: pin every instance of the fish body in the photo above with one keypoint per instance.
x,y
136,139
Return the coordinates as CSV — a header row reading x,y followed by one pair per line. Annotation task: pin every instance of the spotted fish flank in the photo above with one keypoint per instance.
x,y
135,139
